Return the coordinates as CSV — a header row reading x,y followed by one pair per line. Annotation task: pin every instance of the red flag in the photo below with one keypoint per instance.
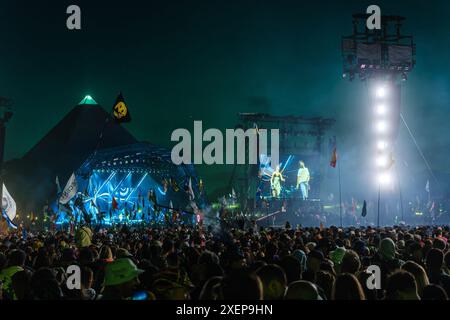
x,y
114,204
333,158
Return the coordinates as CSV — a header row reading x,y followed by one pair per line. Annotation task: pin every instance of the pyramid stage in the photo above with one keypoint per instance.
x,y
115,166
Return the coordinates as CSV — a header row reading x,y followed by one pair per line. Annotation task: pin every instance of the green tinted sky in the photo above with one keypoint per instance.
x,y
179,61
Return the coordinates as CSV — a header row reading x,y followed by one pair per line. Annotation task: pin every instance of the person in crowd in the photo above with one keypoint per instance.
x,y
121,280
350,262
419,274
15,263
302,290
434,292
347,287
436,274
401,285
387,259
242,285
274,281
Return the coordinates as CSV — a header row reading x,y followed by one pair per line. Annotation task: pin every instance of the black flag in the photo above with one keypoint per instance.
x,y
364,209
120,110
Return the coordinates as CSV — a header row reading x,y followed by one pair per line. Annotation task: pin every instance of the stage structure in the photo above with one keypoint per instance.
x,y
115,183
300,139
384,53
382,58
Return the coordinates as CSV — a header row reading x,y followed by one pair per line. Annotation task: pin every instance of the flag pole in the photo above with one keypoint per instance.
x,y
340,186
340,194
400,194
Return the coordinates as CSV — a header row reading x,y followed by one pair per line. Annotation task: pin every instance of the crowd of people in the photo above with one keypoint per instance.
x,y
220,263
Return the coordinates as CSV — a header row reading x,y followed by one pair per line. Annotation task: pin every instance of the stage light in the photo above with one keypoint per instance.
x,y
384,178
381,126
381,109
382,161
381,92
382,145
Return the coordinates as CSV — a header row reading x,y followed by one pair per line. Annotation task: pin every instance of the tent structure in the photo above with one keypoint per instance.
x,y
31,179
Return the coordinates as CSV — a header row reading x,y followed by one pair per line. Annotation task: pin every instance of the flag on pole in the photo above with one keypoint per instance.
x,y
70,190
120,110
364,209
8,221
8,208
333,160
427,186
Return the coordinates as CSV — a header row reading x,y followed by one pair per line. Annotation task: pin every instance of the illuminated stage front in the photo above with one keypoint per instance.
x,y
121,185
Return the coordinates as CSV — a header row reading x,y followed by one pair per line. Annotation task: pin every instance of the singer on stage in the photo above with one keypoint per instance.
x,y
275,182
303,180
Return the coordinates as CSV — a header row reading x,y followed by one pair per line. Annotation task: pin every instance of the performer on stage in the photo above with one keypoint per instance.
x,y
275,182
303,180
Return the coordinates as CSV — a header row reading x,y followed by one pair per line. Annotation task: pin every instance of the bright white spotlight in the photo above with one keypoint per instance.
x,y
381,126
381,92
384,178
382,145
382,161
381,109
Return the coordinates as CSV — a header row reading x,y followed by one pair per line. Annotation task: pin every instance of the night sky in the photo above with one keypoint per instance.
x,y
180,61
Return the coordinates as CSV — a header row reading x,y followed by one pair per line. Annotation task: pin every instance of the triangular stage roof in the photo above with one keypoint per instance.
x,y
88,100
31,179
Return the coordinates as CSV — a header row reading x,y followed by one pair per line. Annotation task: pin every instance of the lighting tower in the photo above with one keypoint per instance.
x,y
382,58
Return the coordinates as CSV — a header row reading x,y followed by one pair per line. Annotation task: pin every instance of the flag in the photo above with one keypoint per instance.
x,y
190,190
333,160
114,204
58,186
8,206
364,209
427,187
120,110
8,221
70,190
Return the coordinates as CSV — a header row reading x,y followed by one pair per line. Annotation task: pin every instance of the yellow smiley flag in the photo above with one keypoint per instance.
x,y
120,110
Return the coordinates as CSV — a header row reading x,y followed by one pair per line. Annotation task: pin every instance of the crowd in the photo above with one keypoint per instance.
x,y
219,263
